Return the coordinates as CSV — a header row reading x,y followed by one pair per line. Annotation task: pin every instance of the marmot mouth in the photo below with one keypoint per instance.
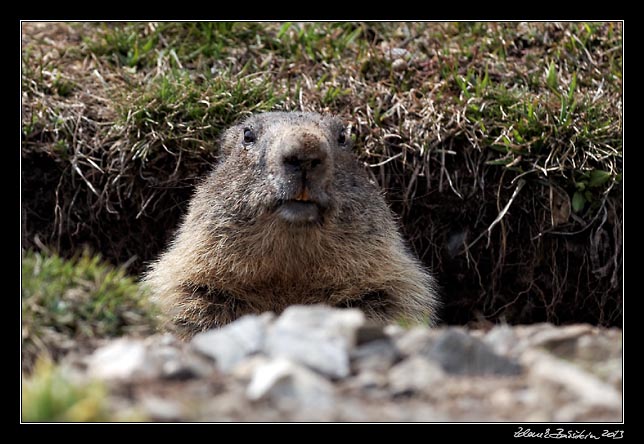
x,y
300,211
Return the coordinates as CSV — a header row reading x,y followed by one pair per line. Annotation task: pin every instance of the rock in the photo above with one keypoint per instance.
x,y
403,410
123,358
394,331
182,365
418,340
370,332
561,340
368,380
415,374
399,53
600,355
583,412
375,356
229,345
315,363
172,358
399,65
290,386
246,368
594,347
461,354
545,368
159,409
503,399
501,339
230,405
154,357
317,336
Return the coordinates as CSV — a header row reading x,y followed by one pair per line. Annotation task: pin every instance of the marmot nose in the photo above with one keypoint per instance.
x,y
305,155
301,163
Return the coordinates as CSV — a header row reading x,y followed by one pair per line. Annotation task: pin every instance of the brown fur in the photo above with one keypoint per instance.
x,y
238,251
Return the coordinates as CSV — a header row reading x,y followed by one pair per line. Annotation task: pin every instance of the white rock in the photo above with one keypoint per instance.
x,y
246,368
123,359
502,339
548,336
418,340
377,356
229,345
161,409
317,336
399,53
290,385
394,330
544,368
415,374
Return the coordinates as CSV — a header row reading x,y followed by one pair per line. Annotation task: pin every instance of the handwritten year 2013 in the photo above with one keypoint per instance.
x,y
572,434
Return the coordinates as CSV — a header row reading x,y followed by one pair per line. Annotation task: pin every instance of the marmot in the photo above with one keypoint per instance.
x,y
288,216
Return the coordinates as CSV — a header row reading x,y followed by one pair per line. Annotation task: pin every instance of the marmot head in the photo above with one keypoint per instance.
x,y
285,164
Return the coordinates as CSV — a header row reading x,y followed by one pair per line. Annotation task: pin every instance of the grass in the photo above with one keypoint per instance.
x,y
206,108
505,137
81,299
48,396
51,395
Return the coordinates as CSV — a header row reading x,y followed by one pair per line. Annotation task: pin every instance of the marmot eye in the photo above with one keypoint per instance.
x,y
249,135
342,137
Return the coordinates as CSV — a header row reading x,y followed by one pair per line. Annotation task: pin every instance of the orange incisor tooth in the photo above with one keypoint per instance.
x,y
304,195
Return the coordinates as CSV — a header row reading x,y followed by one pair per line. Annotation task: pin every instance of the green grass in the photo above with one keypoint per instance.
x,y
177,110
80,299
197,44
49,394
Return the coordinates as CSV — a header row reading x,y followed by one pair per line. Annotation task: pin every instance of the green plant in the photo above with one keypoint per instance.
x,y
81,299
50,394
